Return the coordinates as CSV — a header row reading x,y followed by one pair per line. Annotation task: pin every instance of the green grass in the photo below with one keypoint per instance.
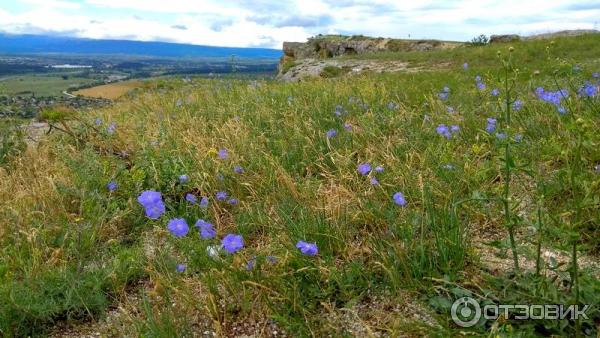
x,y
41,84
70,248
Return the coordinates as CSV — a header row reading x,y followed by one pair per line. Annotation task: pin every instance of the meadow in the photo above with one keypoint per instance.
x,y
363,205
51,84
110,91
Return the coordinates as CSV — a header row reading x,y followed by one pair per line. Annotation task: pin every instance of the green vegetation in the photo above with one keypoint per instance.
x,y
333,71
505,216
43,85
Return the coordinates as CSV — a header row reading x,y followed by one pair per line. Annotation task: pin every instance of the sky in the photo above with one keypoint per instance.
x,y
262,23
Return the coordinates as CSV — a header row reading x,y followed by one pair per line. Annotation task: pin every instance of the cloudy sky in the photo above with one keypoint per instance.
x,y
263,23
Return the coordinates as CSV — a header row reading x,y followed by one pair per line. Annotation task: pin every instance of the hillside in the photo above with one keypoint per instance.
x,y
346,206
32,44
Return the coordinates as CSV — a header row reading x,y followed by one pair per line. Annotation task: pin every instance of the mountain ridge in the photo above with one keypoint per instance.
x,y
36,44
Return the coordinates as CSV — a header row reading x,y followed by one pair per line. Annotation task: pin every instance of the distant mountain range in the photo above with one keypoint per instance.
x,y
36,44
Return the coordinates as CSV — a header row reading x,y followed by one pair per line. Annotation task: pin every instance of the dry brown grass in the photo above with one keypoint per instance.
x,y
110,91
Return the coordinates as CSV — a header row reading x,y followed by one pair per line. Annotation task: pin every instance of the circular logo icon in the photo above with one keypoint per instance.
x,y
465,312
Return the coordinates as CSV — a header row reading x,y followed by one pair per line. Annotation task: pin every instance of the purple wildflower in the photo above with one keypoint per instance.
x,y
399,199
271,259
98,122
518,138
223,154
309,249
348,126
152,202
204,202
465,66
374,181
251,263
517,105
379,169
183,178
443,130
221,195
501,136
480,86
232,201
111,186
206,229
180,268
191,198
238,169
178,227
450,109
331,133
495,92
111,128
595,75
491,125
232,243
477,78
454,128
364,168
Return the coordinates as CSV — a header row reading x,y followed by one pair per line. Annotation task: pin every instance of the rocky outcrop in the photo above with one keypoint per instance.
x,y
504,38
301,59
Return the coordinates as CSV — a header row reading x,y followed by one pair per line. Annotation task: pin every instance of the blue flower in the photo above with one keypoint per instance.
x,y
191,198
518,137
392,106
178,227
480,86
232,243
491,125
399,199
588,90
309,249
238,169
183,178
374,181
500,136
379,169
443,95
454,128
233,201
152,202
251,263
111,128
364,168
207,230
495,92
348,126
112,186
331,133
465,66
180,268
221,195
223,154
595,75
98,122
449,109
271,259
204,202
477,78
517,105
561,110
443,130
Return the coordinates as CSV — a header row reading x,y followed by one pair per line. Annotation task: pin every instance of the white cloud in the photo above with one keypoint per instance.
x,y
269,23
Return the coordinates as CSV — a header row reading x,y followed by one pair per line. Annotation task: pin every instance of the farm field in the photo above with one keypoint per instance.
x,y
110,91
364,205
41,84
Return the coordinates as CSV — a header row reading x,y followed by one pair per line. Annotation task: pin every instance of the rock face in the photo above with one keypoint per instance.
x,y
504,38
303,59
